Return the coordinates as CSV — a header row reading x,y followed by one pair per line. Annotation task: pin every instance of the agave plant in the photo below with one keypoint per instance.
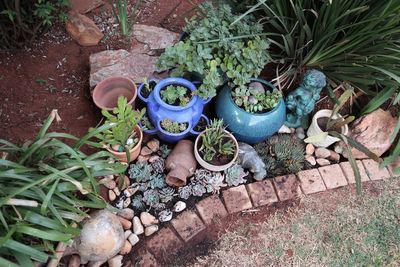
x,y
38,192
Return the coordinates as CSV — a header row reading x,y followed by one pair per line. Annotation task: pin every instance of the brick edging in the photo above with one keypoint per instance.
x,y
186,226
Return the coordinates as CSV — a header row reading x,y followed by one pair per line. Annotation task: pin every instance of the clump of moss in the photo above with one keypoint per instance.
x,y
282,154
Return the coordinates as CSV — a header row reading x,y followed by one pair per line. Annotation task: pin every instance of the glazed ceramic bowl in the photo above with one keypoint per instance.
x,y
248,127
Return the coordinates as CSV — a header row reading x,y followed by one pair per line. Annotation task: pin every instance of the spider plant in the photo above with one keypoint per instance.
x,y
122,15
46,187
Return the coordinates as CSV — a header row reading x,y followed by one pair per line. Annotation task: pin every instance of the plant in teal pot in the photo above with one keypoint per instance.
x,y
253,112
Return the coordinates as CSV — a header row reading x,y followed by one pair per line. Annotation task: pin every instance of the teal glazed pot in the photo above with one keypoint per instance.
x,y
248,127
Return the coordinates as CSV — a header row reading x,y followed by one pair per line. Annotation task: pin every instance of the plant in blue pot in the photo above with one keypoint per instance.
x,y
253,112
171,98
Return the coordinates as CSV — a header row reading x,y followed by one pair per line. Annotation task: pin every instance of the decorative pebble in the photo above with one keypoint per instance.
x,y
323,162
339,149
138,228
126,224
147,219
300,133
310,149
153,145
179,206
130,191
111,184
127,182
116,191
153,158
311,160
74,261
120,204
126,248
145,151
115,261
256,87
126,213
127,202
111,195
322,153
292,130
335,157
133,239
284,130
150,230
165,216
127,233
142,159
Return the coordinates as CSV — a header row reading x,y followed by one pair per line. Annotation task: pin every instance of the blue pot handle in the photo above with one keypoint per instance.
x,y
197,84
141,86
151,131
193,132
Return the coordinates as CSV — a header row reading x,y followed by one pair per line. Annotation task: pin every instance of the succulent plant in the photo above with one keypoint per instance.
x,y
166,194
173,126
140,172
143,186
254,101
159,206
137,203
213,181
172,94
282,154
151,197
185,192
146,123
157,181
198,190
158,165
234,175
164,151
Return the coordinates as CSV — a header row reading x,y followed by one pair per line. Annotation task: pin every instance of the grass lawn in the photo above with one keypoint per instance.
x,y
335,228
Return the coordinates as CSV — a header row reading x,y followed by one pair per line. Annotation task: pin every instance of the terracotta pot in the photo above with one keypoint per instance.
x,y
181,164
208,166
106,93
134,152
315,129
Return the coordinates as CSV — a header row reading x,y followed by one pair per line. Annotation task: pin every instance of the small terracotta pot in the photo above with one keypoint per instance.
x,y
208,166
181,164
134,152
106,93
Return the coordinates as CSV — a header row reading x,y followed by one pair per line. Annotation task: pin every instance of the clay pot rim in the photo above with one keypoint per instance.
x,y
138,131
210,166
323,113
108,79
264,82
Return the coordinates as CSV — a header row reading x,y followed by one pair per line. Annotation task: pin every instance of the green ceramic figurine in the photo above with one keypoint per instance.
x,y
301,101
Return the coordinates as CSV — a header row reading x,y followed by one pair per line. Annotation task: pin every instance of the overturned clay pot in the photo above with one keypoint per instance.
x,y
181,164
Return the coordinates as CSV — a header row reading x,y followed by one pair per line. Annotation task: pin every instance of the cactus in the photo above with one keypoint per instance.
x,y
282,154
151,197
157,181
166,194
185,192
234,175
140,172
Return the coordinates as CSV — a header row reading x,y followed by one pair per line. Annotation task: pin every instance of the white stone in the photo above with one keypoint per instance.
x,y
126,213
322,153
116,261
179,206
150,230
165,216
133,239
284,130
310,149
116,191
311,160
147,219
138,228
111,195
127,202
127,233
323,162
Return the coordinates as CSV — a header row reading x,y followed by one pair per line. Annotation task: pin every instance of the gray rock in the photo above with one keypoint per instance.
x,y
284,130
150,230
138,228
120,63
154,37
256,87
179,206
322,153
249,159
101,238
300,133
133,239
165,216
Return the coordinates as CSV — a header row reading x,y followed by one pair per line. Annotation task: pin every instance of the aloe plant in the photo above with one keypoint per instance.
x,y
125,18
39,185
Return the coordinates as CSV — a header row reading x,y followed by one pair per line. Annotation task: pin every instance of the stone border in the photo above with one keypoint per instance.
x,y
187,225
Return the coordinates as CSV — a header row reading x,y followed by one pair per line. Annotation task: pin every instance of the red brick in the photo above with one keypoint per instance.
x,y
147,259
287,187
373,170
188,225
333,176
236,199
311,181
262,193
349,173
164,243
210,208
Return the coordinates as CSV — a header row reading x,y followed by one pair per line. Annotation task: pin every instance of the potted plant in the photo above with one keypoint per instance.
x,y
172,131
252,112
213,51
107,92
215,148
172,98
124,139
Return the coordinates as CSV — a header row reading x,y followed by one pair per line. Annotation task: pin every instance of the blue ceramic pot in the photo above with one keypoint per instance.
x,y
248,127
158,110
